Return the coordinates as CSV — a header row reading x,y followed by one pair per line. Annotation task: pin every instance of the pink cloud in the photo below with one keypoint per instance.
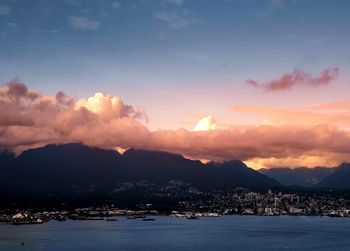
x,y
336,114
297,77
105,121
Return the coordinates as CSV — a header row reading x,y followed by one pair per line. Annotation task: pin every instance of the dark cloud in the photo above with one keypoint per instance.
x,y
296,77
19,90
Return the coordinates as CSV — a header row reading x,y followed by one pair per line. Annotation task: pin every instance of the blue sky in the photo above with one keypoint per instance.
x,y
176,55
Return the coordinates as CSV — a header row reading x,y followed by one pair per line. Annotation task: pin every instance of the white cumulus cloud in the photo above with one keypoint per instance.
x,y
205,124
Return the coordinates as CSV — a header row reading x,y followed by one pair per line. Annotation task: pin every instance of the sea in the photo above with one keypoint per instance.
x,y
181,234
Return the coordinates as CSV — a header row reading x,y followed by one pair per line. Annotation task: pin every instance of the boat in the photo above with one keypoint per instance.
x,y
139,216
192,217
149,219
132,217
111,219
212,215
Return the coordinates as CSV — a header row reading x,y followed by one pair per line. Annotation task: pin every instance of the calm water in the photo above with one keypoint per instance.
x,y
166,233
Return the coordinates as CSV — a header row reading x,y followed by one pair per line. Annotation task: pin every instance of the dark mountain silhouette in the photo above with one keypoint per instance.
x,y
237,172
61,168
160,166
302,176
58,167
6,157
157,166
339,179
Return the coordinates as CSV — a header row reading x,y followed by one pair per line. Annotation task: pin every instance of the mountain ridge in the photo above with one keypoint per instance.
x,y
60,167
339,179
76,170
300,176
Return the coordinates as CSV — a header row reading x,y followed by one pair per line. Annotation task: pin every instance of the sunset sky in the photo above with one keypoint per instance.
x,y
267,81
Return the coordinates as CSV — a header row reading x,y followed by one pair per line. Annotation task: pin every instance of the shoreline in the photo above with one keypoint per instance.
x,y
35,220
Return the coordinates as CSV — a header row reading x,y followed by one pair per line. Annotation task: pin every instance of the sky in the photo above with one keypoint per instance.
x,y
213,80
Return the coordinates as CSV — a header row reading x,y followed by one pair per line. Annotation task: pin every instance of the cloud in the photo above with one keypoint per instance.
x,y
4,10
205,124
277,3
116,5
336,114
11,25
343,105
176,20
270,7
108,107
19,90
258,142
83,23
297,77
30,119
176,2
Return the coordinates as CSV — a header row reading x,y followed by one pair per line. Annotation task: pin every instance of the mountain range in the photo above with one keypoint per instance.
x,y
301,176
76,169
318,178
339,179
63,168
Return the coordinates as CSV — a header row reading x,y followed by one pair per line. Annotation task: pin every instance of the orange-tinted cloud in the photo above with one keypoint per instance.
x,y
105,121
251,142
335,106
336,114
296,77
29,118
